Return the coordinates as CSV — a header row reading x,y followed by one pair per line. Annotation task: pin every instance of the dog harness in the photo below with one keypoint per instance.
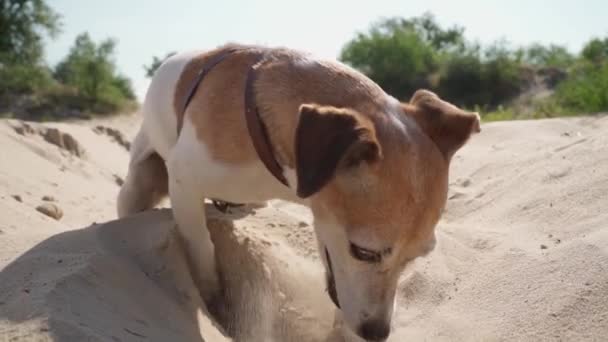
x,y
255,125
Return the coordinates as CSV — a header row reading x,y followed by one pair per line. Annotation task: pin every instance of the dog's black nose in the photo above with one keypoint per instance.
x,y
374,330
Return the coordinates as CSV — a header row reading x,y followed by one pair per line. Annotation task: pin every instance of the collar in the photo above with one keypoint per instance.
x,y
255,125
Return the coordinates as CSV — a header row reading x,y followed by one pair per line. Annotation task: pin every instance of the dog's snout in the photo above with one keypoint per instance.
x,y
374,330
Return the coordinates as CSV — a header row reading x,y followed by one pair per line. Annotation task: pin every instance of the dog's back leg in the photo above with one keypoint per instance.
x,y
146,183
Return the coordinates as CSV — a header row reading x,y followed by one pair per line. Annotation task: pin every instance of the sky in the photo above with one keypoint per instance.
x,y
146,28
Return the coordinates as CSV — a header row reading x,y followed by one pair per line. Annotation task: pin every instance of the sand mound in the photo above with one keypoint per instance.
x,y
522,250
128,279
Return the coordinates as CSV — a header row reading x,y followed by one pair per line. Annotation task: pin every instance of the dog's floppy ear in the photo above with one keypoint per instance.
x,y
328,139
447,125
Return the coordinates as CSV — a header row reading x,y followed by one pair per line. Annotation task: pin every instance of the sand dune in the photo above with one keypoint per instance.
x,y
522,249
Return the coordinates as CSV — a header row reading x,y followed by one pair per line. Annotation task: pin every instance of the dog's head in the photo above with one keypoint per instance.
x,y
377,184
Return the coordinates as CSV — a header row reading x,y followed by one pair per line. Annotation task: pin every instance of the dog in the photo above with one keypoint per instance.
x,y
244,123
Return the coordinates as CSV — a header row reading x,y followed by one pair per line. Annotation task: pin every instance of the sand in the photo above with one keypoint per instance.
x,y
522,248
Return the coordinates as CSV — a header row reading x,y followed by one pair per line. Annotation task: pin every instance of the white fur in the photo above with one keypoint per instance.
x,y
160,123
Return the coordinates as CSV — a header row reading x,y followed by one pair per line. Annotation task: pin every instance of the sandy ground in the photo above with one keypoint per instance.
x,y
522,249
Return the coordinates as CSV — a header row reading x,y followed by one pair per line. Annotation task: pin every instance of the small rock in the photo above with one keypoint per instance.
x,y
48,198
302,224
50,210
543,247
557,241
18,198
118,180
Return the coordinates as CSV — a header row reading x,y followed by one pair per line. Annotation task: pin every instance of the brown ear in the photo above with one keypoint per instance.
x,y
447,125
328,138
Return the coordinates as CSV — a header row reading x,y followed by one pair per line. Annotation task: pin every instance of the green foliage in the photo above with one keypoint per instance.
x,y
156,62
401,55
586,90
474,77
85,81
499,114
22,25
596,50
462,80
89,68
502,79
24,79
547,56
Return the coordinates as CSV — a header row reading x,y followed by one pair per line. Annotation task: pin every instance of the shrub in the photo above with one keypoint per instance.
x,y
90,70
401,55
24,79
586,89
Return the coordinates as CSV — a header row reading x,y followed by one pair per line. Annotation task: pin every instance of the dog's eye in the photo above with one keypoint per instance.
x,y
366,255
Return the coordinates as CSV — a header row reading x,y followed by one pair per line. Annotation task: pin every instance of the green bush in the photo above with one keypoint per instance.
x,y
462,81
24,79
499,114
596,50
86,81
401,55
501,77
541,56
89,68
586,90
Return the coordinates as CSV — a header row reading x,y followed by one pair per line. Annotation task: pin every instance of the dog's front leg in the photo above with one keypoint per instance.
x,y
189,212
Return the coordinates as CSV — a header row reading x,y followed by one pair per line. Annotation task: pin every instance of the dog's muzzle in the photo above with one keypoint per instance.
x,y
331,282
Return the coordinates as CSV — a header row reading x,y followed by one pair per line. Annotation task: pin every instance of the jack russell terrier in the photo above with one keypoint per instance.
x,y
248,124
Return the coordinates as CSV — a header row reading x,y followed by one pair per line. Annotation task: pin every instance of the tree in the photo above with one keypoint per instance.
x,y
156,62
23,23
547,56
596,50
401,55
90,69
462,79
22,26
